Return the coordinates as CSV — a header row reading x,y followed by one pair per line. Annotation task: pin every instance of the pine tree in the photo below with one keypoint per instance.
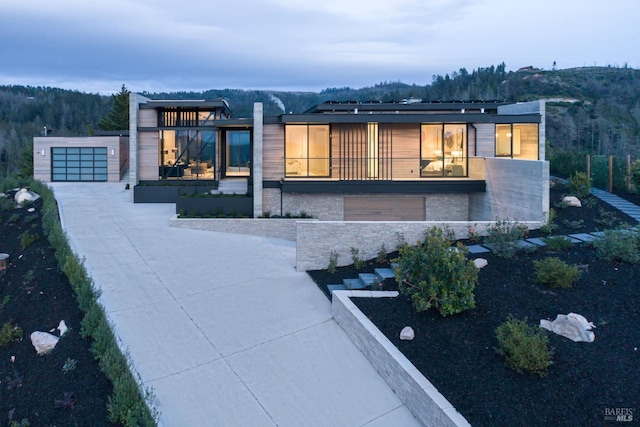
x,y
118,117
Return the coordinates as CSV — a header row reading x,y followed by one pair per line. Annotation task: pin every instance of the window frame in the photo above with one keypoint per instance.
x,y
306,158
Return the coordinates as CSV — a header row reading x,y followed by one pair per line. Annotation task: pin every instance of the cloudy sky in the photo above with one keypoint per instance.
x,y
169,45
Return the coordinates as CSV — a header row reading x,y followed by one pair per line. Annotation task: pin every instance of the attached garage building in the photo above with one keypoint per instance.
x,y
87,159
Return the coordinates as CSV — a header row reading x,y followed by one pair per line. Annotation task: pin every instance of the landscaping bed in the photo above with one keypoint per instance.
x,y
35,296
458,353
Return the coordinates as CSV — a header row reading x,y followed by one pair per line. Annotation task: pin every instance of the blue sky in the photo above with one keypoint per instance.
x,y
161,45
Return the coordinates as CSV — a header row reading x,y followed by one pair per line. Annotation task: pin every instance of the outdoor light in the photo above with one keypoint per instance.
x,y
42,151
113,152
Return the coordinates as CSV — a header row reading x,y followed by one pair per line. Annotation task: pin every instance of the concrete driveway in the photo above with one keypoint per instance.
x,y
221,326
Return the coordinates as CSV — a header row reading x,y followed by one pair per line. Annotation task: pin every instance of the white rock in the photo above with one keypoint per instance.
x,y
43,342
62,327
573,326
571,201
480,263
25,195
31,210
407,334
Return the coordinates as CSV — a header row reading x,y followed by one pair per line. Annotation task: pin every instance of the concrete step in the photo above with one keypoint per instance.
x,y
368,278
335,287
384,273
353,284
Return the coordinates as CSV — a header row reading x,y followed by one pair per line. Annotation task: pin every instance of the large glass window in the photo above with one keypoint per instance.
x,y
180,117
238,153
187,154
443,150
307,150
517,141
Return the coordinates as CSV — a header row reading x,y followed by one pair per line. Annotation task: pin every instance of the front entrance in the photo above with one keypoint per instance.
x,y
237,153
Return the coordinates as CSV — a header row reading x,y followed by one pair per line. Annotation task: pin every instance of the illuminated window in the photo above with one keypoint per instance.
x,y
443,150
307,151
517,141
373,155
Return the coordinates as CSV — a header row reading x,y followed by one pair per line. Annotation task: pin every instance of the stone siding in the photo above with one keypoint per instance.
x,y
325,207
317,240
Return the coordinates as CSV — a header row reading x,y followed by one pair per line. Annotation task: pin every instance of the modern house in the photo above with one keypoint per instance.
x,y
350,161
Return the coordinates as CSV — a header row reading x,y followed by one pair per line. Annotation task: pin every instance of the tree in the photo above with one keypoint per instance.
x,y
118,117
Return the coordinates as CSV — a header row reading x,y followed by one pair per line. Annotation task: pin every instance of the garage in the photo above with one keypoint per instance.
x,y
359,208
79,164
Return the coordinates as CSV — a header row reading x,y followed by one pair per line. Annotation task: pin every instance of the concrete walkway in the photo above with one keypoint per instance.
x,y
221,326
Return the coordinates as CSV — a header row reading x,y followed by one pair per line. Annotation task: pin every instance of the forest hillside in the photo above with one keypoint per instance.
x,y
594,110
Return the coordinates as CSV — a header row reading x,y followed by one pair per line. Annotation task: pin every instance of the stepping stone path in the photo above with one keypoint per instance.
x,y
363,281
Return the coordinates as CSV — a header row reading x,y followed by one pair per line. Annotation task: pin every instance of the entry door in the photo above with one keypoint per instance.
x,y
79,164
238,153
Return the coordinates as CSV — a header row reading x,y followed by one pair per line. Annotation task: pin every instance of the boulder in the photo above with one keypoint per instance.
x,y
25,196
43,342
407,334
573,326
571,202
480,263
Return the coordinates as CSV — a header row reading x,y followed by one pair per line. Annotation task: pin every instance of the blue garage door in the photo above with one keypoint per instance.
x,y
79,164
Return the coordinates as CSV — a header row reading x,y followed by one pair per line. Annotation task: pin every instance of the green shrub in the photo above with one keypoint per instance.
x,y
13,218
333,262
382,254
437,275
358,262
579,184
6,204
617,245
557,243
574,225
525,348
9,332
548,222
606,218
504,237
555,273
26,239
127,403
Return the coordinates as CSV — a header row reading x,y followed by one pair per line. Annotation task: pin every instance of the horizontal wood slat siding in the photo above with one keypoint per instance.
x,y
272,152
148,156
360,208
147,118
406,151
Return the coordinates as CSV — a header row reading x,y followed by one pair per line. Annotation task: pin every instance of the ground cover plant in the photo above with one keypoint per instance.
x,y
84,380
459,353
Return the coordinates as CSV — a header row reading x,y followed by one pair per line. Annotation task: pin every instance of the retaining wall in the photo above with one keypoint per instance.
x,y
421,397
280,228
317,240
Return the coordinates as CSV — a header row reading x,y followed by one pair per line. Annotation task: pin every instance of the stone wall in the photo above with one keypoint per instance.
x,y
325,207
317,240
447,207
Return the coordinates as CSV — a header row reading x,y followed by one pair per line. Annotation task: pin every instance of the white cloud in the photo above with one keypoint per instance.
x,y
301,44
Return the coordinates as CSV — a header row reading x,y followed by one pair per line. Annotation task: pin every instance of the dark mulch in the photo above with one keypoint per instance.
x,y
457,353
36,296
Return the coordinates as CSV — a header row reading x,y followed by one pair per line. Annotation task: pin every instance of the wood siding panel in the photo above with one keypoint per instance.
x,y
272,152
406,151
367,208
147,118
148,156
42,164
